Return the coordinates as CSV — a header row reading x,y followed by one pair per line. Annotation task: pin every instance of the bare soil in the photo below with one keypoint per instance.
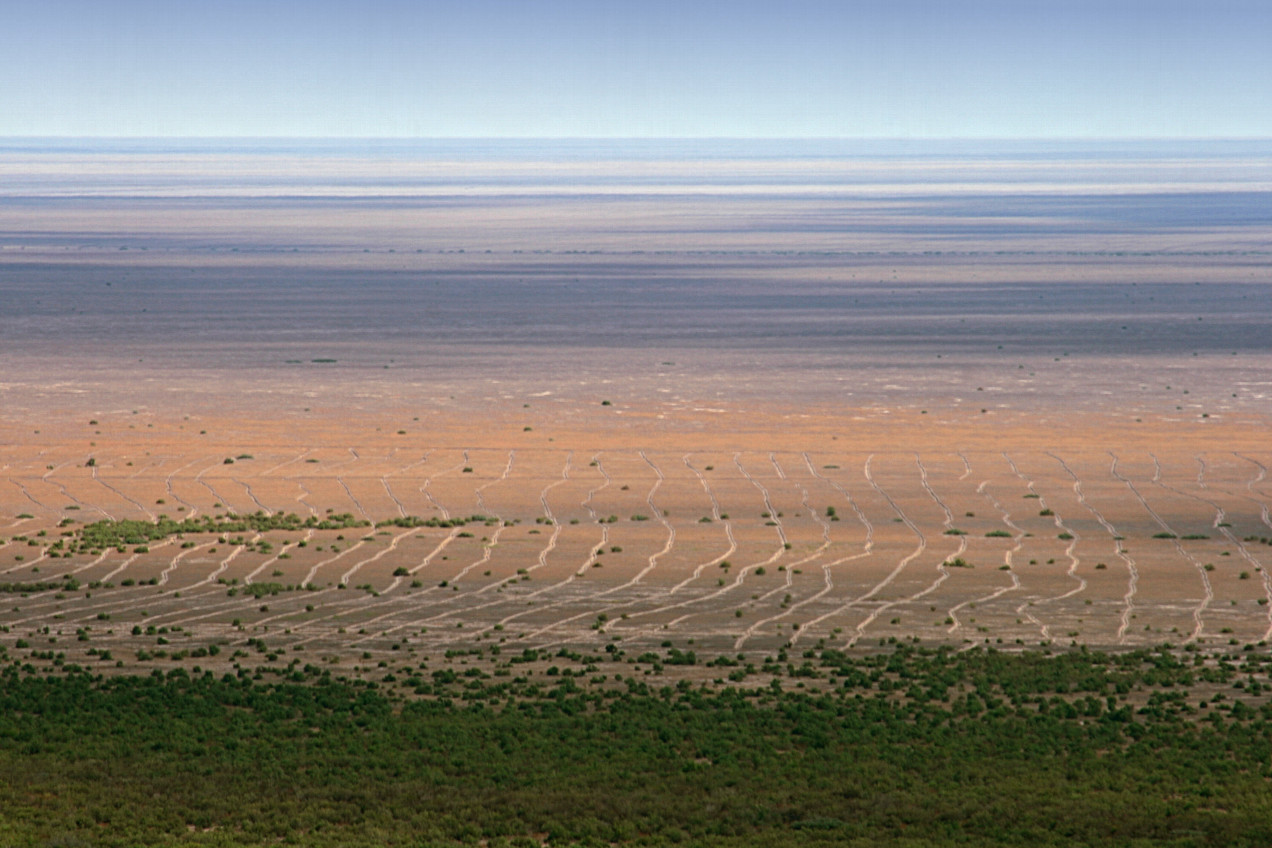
x,y
1038,409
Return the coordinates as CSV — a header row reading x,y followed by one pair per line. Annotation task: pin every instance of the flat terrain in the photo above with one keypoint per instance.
x,y
728,401
730,549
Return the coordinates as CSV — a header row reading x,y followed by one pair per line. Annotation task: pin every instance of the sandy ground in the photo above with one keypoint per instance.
x,y
729,540
738,408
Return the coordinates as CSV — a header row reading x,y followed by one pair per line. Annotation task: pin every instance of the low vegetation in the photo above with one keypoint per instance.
x,y
101,535
907,747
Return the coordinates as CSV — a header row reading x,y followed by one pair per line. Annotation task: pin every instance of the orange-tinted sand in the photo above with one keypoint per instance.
x,y
909,497
1017,432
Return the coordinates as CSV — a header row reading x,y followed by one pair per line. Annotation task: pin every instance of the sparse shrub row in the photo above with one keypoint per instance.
x,y
115,534
410,521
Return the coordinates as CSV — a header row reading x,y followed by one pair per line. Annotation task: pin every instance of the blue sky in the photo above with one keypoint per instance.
x,y
613,68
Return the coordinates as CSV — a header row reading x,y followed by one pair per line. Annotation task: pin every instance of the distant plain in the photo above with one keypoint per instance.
x,y
1014,395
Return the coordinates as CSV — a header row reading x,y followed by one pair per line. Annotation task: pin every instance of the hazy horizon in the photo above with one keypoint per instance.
x,y
809,139
656,69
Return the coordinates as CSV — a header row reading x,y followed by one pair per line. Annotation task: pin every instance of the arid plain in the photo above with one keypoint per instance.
x,y
719,400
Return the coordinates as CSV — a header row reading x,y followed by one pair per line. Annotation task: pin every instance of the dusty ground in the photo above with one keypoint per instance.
x,y
1054,380
543,570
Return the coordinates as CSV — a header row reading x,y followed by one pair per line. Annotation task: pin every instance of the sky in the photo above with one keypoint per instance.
x,y
1140,69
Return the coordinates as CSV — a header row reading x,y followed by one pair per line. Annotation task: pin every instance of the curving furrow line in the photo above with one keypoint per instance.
x,y
309,576
764,492
1132,572
741,576
1023,610
223,565
247,487
399,600
88,612
715,516
392,546
297,458
1199,610
26,492
384,481
1017,538
592,553
1220,524
867,550
97,479
896,572
828,582
481,501
48,478
356,503
547,513
304,491
176,560
962,545
167,483
542,559
653,559
1069,551
309,534
217,500
424,490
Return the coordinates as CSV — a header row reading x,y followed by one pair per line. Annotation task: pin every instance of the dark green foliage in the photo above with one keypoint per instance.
x,y
68,583
410,521
29,588
261,590
115,534
979,751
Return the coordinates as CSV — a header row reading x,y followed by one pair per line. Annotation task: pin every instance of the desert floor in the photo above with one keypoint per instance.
x,y
733,406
